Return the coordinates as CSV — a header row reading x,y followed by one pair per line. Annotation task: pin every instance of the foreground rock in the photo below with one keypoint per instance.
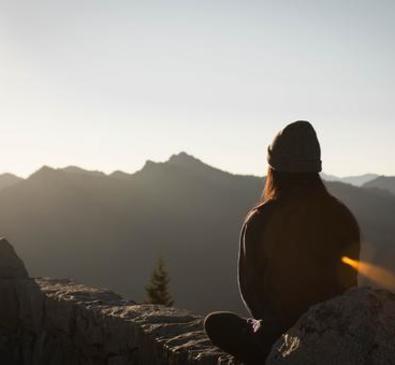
x,y
93,326
60,322
353,329
11,266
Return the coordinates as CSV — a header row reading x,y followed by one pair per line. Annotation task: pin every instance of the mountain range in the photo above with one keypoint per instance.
x,y
358,180
382,182
7,180
108,230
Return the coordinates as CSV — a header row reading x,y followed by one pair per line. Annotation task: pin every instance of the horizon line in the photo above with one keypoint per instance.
x,y
111,172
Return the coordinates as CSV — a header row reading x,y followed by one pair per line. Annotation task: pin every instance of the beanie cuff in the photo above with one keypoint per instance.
x,y
289,164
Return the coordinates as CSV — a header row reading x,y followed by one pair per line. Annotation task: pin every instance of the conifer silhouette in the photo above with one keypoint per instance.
x,y
157,289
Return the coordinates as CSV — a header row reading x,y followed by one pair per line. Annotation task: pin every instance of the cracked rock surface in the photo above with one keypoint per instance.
x,y
355,328
59,322
107,329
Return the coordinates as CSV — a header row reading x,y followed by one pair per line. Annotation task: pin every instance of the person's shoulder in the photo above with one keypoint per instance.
x,y
342,213
338,206
254,225
260,213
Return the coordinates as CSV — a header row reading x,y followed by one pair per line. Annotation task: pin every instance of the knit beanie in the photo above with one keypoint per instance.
x,y
295,149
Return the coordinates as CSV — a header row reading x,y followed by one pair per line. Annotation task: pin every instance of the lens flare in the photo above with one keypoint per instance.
x,y
378,275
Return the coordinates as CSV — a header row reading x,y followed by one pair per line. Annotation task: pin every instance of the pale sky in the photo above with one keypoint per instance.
x,y
109,84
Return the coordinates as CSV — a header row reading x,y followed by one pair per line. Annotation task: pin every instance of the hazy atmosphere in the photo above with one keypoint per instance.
x,y
151,213
108,84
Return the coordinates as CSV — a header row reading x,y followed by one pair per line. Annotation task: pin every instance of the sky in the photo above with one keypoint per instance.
x,y
107,85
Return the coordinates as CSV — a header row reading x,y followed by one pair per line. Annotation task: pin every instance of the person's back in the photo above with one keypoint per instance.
x,y
293,246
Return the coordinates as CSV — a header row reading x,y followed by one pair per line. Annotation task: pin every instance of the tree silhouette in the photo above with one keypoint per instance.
x,y
157,289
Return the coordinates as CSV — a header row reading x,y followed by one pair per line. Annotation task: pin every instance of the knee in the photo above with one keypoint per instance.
x,y
213,325
218,322
210,322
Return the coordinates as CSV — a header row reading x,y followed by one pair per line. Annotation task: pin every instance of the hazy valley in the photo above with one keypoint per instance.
x,y
108,230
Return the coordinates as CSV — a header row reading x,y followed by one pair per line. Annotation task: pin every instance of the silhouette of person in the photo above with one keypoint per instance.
x,y
291,245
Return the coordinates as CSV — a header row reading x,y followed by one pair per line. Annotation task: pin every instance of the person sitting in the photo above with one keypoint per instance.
x,y
291,245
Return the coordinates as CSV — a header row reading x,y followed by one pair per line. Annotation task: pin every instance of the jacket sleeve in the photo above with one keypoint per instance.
x,y
250,264
350,245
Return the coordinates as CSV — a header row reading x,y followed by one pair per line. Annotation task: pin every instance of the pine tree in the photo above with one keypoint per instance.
x,y
157,289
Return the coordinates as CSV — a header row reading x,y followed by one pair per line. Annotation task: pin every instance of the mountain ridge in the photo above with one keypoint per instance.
x,y
108,231
382,182
185,160
8,179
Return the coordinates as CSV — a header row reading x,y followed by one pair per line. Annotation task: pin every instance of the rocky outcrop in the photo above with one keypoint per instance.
x,y
355,328
60,322
11,266
105,329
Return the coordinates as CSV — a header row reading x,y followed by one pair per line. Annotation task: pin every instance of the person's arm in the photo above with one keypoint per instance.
x,y
251,263
349,246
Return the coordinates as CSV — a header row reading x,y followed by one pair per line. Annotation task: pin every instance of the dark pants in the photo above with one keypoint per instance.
x,y
248,340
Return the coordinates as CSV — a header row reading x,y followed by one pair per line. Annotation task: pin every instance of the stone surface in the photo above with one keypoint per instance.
x,y
111,330
59,322
11,266
355,328
47,322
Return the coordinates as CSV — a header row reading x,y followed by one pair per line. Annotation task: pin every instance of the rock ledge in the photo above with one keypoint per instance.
x,y
355,328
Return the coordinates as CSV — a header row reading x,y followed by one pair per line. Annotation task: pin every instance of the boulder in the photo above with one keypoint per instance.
x,y
355,328
11,266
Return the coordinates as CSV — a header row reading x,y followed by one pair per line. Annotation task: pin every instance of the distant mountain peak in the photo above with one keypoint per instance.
x,y
184,162
8,179
181,159
7,175
356,180
184,159
79,170
120,174
43,171
148,165
382,182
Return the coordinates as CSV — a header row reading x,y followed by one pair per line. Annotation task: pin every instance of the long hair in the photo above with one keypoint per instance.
x,y
300,186
286,183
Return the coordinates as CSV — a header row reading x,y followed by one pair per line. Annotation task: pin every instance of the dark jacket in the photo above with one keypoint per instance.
x,y
290,256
